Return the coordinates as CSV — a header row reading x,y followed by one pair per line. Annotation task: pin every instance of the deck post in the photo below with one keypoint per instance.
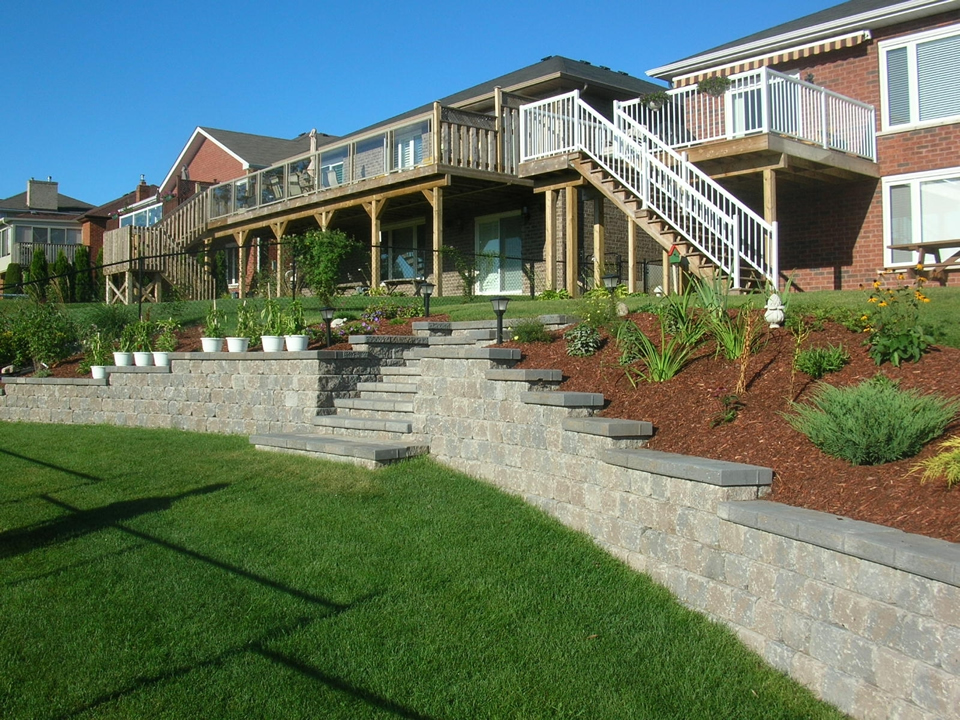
x,y
599,244
437,239
498,112
242,236
374,209
631,255
770,214
571,239
550,238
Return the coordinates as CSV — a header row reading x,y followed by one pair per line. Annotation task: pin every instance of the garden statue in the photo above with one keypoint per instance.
x,y
774,314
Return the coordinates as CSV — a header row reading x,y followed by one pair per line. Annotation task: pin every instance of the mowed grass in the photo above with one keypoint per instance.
x,y
150,573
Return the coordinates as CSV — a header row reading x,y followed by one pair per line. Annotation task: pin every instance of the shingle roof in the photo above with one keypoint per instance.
x,y
259,150
65,204
109,208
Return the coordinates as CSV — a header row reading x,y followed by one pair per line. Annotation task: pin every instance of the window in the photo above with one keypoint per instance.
x,y
499,254
408,146
400,251
5,241
920,78
920,208
44,235
144,217
232,256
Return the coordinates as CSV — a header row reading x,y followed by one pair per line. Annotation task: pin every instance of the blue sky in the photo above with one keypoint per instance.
x,y
99,93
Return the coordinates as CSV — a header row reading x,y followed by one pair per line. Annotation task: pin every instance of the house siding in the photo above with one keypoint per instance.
x,y
831,238
212,164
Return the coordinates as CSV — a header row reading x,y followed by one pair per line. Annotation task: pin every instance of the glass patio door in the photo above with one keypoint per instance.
x,y
499,262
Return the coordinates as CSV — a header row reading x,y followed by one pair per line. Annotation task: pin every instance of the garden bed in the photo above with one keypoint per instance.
x,y
683,409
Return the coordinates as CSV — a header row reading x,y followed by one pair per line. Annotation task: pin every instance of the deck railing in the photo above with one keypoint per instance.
x,y
662,180
124,247
22,252
761,101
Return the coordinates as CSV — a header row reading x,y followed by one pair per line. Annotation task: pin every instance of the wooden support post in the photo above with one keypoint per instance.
x,y
437,131
324,218
550,238
498,112
599,245
631,255
242,236
374,209
770,208
666,272
434,196
572,240
278,230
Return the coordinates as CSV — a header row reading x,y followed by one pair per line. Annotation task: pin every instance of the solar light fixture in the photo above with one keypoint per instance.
x,y
499,307
327,314
611,281
427,289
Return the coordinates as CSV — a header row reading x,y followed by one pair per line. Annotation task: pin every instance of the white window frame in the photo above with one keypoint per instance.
x,y
910,42
914,180
130,218
387,249
478,288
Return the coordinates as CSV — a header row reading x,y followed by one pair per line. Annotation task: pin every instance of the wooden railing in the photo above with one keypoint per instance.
x,y
22,252
151,250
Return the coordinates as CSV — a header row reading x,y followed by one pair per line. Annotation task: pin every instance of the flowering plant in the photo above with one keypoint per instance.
x,y
892,321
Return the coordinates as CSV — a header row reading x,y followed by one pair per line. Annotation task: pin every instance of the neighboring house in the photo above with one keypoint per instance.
x,y
443,174
795,134
39,218
142,207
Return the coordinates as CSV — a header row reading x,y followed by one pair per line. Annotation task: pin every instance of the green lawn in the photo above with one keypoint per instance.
x,y
168,574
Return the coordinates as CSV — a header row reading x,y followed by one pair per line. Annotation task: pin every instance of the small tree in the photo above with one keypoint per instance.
x,y
220,273
13,278
39,273
319,254
99,284
83,282
62,285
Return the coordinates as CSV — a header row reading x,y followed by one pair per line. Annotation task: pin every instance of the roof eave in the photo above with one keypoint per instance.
x,y
899,13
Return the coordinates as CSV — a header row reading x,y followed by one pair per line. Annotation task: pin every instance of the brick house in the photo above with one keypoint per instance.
x,y
844,211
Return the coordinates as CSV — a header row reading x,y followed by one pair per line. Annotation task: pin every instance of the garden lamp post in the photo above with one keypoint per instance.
x,y
327,314
499,307
427,289
610,282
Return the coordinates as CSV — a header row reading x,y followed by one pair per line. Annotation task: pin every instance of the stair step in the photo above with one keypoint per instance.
x,y
388,387
451,340
369,454
352,422
376,405
379,396
398,372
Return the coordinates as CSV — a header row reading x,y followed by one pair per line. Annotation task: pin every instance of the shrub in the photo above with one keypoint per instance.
x,y
872,423
817,362
213,326
735,334
583,340
386,309
560,294
530,330
12,279
893,322
247,325
110,319
319,254
83,280
39,274
945,464
598,310
61,285
45,335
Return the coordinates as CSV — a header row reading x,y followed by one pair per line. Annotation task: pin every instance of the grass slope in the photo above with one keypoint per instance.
x,y
168,574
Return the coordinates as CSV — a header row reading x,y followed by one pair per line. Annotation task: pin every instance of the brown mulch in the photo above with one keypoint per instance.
x,y
682,409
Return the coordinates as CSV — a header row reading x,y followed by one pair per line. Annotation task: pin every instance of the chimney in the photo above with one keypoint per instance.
x,y
42,195
143,190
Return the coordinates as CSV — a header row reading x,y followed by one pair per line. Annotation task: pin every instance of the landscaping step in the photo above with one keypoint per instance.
x,y
392,373
353,422
389,395
373,405
388,387
358,452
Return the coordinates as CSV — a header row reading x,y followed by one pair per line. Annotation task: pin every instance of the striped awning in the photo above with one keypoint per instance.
x,y
775,58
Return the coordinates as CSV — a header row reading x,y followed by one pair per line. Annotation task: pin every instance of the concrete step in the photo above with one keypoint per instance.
x,y
388,387
358,452
392,373
389,406
353,422
388,396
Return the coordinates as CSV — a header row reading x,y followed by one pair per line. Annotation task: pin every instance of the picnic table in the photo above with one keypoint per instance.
x,y
935,248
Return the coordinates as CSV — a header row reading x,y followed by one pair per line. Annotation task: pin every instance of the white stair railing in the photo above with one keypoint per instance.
x,y
758,238
661,179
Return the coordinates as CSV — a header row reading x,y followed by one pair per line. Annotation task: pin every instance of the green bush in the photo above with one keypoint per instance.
x,y
61,285
530,330
39,274
661,362
560,294
12,279
582,340
83,282
945,464
872,423
817,362
110,320
598,310
735,334
44,335
893,322
319,254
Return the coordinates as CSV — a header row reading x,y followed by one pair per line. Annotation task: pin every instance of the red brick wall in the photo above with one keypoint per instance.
x,y
213,164
832,236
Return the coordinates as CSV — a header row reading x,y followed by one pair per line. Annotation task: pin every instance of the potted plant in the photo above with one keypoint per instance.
x,y
96,355
716,86
212,338
123,348
165,342
655,100
272,324
295,327
247,330
142,332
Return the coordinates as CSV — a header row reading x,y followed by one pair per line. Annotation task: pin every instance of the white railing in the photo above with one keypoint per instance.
x,y
761,101
664,181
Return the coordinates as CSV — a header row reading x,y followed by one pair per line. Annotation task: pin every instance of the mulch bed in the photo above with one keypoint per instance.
x,y
683,408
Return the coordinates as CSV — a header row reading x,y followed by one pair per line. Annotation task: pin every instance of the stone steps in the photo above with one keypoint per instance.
x,y
358,452
365,406
384,388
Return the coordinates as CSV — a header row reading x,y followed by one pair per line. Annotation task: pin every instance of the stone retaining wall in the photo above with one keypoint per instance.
x,y
229,393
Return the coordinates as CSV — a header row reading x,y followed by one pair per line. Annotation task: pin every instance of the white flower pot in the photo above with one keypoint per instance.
x,y
123,359
99,372
143,359
297,343
272,343
160,358
237,344
211,344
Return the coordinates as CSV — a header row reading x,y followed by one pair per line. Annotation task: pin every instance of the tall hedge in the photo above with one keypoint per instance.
x,y
12,279
62,278
83,282
39,273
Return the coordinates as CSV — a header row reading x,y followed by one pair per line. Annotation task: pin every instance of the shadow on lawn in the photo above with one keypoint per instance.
x,y
83,522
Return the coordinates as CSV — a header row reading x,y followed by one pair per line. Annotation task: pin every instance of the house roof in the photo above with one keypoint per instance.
x,y
251,151
111,208
830,22
17,205
550,76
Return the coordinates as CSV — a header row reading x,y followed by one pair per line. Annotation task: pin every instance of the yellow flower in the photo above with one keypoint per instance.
x,y
868,329
926,299
919,266
873,299
876,283
899,276
864,317
882,303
